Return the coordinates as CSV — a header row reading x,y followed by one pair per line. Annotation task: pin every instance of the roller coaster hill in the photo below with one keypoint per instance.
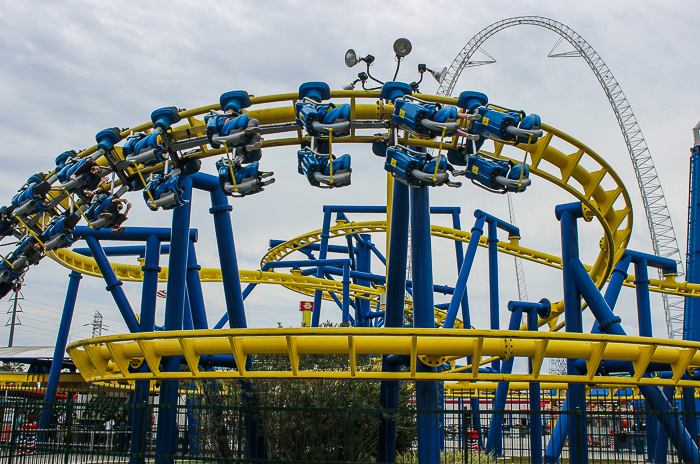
x,y
463,388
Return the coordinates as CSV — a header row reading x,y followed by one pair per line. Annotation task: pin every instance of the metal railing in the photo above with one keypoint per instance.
x,y
313,421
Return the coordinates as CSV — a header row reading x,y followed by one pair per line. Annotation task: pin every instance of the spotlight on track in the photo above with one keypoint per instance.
x,y
439,76
361,77
422,68
402,47
351,59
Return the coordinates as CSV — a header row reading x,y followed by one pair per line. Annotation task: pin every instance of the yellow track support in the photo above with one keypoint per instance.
x,y
108,358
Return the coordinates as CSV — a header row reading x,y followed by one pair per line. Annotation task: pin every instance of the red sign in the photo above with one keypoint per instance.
x,y
306,306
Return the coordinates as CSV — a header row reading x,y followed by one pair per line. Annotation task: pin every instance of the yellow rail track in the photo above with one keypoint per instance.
x,y
109,358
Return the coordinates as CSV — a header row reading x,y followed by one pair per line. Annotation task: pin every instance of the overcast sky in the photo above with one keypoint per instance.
x,y
72,68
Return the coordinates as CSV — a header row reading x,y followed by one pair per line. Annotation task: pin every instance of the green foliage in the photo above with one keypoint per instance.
x,y
302,419
11,367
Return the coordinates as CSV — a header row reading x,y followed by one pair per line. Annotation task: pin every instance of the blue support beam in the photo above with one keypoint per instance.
x,y
567,215
198,313
166,443
140,412
114,285
394,313
59,354
423,317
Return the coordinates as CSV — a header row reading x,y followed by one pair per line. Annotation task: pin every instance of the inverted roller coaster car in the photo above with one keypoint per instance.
x,y
7,221
417,169
236,131
145,149
32,198
249,179
321,118
497,176
323,170
507,126
27,253
59,233
425,119
165,191
82,176
105,211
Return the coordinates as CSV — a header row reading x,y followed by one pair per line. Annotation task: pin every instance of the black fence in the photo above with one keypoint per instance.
x,y
316,421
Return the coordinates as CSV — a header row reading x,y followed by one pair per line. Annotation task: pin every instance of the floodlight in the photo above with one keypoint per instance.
x,y
402,47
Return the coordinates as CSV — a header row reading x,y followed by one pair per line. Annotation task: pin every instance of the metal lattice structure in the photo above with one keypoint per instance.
x,y
522,289
663,236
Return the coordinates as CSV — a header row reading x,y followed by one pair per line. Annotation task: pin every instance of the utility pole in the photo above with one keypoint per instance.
x,y
14,320
97,325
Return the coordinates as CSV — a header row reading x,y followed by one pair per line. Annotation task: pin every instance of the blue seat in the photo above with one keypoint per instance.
x,y
425,119
59,233
321,172
417,169
497,176
249,178
166,191
240,132
144,149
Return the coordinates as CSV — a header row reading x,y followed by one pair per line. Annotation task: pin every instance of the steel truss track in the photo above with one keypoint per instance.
x,y
663,236
110,358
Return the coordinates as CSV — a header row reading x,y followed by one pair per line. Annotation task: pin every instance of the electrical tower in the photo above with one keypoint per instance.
x,y
97,325
14,309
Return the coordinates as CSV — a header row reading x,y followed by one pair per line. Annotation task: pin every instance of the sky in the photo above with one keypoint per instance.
x,y
72,68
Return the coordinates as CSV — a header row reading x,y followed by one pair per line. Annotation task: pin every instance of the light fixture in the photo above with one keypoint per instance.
x,y
439,76
402,47
351,58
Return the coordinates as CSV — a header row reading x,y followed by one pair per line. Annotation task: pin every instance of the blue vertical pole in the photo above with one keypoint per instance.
x,y
567,215
220,209
194,291
59,353
494,443
364,264
323,253
346,297
691,321
656,438
424,317
255,447
114,286
493,283
395,298
535,406
166,444
140,415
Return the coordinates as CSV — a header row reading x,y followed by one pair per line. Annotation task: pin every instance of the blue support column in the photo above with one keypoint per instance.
x,y
364,264
166,444
194,291
59,353
691,321
140,407
493,283
114,286
494,443
656,438
394,313
576,400
461,285
220,209
459,250
424,317
323,253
